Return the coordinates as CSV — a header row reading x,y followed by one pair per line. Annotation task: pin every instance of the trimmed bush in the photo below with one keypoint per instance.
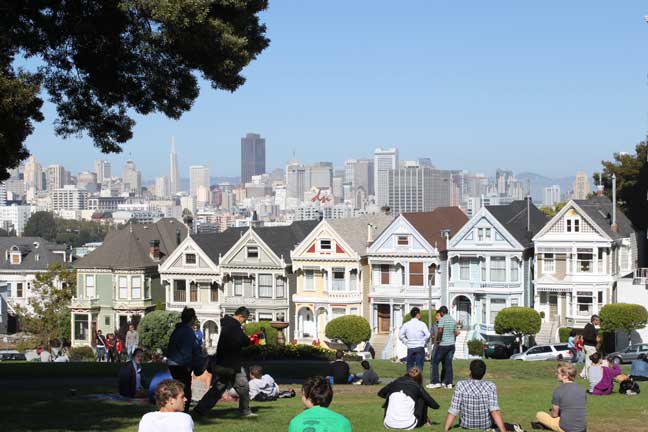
x,y
349,330
625,317
155,329
476,347
82,354
271,333
519,321
563,333
287,352
424,316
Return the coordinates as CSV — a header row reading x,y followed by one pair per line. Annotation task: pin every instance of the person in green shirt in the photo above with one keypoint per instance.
x,y
317,395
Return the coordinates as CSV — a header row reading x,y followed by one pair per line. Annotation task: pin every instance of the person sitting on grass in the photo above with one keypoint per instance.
x,y
639,369
368,376
338,370
171,399
132,383
601,375
263,387
476,401
317,395
406,402
568,404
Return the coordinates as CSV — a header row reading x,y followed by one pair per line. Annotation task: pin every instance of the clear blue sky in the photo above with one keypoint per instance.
x,y
551,87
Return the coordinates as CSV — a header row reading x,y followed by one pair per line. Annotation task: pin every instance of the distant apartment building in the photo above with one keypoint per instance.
x,y
15,217
103,204
385,160
87,180
253,156
551,196
162,188
174,177
132,178
581,186
33,174
198,177
295,181
102,169
69,197
413,188
56,177
319,175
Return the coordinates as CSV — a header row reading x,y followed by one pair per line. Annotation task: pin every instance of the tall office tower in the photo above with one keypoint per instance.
x,y
162,187
253,157
102,168
56,177
132,178
551,196
198,176
364,175
295,180
413,188
33,174
338,188
425,162
581,186
504,180
385,160
319,175
174,179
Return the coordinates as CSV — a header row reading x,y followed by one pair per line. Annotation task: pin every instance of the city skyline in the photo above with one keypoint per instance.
x,y
466,99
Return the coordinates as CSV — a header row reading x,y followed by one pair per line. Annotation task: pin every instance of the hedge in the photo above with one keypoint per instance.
x,y
155,329
287,352
424,316
476,347
84,354
271,332
349,329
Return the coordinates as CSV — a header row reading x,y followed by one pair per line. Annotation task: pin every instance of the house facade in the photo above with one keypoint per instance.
x,y
119,282
580,254
490,264
332,273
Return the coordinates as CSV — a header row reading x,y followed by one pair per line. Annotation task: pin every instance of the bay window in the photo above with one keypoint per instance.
x,y
498,269
265,285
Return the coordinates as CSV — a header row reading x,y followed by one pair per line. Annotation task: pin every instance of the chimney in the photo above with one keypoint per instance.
x,y
154,250
370,230
178,239
614,226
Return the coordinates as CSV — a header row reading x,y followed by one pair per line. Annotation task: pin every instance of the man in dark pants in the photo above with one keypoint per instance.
x,y
590,342
183,353
446,335
229,356
414,334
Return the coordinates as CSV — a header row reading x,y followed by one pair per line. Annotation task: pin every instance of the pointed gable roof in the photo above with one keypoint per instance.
x,y
283,239
513,218
431,224
353,230
29,247
599,210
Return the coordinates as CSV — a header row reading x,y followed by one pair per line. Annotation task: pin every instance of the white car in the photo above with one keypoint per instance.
x,y
544,352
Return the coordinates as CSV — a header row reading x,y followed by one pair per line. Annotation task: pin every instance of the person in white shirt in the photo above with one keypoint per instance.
x,y
171,418
262,386
414,334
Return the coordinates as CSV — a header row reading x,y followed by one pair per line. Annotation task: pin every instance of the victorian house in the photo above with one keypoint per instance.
x,y
333,274
119,282
491,265
580,255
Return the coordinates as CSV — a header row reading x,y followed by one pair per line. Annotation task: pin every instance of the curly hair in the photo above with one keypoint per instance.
x,y
168,389
318,390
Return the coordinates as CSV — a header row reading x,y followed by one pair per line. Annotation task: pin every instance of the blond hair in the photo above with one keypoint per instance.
x,y
567,370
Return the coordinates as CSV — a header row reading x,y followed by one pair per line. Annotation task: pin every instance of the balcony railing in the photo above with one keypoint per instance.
x,y
402,291
85,302
484,285
345,296
640,277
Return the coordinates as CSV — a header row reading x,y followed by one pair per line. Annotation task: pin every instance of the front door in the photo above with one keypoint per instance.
x,y
384,318
553,306
464,311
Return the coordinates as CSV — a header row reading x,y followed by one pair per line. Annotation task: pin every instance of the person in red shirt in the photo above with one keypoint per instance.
x,y
119,347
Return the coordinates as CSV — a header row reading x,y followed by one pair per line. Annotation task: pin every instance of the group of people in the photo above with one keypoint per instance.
x,y
111,348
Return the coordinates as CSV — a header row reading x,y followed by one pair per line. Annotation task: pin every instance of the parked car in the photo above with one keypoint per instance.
x,y
12,355
499,348
544,352
630,353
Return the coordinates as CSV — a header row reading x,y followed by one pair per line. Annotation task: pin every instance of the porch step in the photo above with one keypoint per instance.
x,y
547,333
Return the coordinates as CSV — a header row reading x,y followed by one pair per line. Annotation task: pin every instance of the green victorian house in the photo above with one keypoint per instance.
x,y
119,282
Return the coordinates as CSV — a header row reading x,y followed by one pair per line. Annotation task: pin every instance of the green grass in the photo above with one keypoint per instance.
x,y
40,400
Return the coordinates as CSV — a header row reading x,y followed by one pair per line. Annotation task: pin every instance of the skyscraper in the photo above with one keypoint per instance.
x,y
56,177
174,179
551,196
102,168
162,187
581,186
295,180
319,175
132,178
33,174
198,177
253,157
415,188
384,161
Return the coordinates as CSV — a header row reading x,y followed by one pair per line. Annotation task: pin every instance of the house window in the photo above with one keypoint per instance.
x,y
90,286
416,274
584,258
193,292
213,292
498,269
180,290
123,287
548,263
281,316
238,286
515,270
81,327
265,285
514,302
190,258
624,256
483,234
19,289
147,288
325,245
573,225
543,298
600,297
252,252
496,305
384,274
353,311
106,320
248,287
136,287
280,287
464,268
15,258
265,316
483,270
584,303
402,240
309,280
338,312
338,280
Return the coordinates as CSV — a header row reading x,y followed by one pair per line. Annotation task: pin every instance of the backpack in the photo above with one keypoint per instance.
x,y
629,387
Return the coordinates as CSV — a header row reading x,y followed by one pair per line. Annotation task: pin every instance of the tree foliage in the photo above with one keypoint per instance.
x,y
102,61
41,224
348,329
47,314
632,183
517,320
155,329
551,211
424,316
271,332
623,316
59,230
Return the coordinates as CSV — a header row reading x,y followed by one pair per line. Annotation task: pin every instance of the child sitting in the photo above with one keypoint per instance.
x,y
264,388
368,376
171,399
317,395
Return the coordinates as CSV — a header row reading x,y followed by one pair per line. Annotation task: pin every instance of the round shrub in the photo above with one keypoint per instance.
x,y
624,317
82,354
348,329
476,347
155,329
271,333
424,316
518,320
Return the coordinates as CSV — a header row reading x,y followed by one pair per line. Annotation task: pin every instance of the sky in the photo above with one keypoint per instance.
x,y
551,87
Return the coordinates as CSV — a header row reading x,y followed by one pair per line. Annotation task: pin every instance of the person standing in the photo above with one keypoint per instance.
x,y
132,341
183,353
414,334
229,355
199,335
446,335
100,345
590,342
262,336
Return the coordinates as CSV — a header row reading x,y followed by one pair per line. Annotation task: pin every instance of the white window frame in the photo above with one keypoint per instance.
x,y
120,287
93,286
515,269
254,249
309,280
573,224
134,287
237,286
280,288
546,259
267,277
322,249
404,237
195,263
493,269
464,265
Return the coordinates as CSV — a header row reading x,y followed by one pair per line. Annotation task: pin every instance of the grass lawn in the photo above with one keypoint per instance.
x,y
36,397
